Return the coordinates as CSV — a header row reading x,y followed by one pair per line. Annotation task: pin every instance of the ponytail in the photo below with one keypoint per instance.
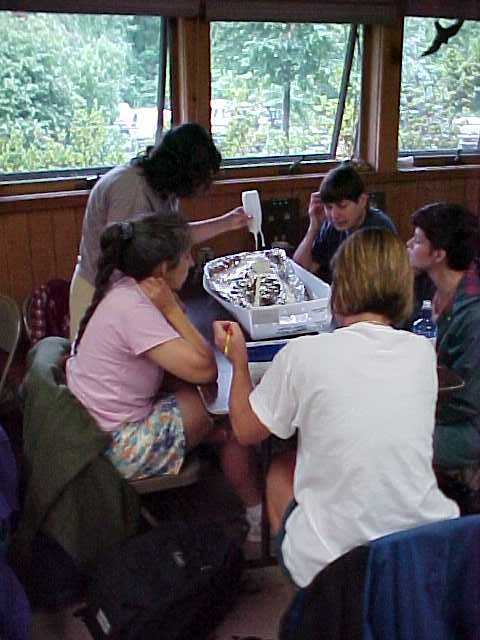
x,y
111,243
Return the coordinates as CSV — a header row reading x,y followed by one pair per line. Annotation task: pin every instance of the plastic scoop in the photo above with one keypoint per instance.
x,y
259,266
253,208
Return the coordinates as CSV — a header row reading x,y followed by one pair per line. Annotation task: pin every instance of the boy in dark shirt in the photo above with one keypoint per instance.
x,y
335,211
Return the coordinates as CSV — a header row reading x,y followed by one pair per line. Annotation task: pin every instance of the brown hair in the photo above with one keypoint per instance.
x,y
453,228
372,273
341,183
135,248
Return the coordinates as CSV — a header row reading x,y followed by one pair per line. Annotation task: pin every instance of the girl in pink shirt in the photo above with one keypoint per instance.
x,y
133,332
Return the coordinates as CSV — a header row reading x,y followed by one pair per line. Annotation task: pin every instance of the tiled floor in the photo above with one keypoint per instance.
x,y
256,614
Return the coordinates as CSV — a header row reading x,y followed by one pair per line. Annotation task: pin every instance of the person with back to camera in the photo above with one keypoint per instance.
x,y
445,245
335,211
183,164
362,399
133,332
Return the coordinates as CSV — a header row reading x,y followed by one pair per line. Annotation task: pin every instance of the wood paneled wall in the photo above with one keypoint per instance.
x,y
39,240
39,235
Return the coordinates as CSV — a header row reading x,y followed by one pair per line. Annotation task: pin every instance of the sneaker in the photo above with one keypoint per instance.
x,y
253,516
255,532
254,522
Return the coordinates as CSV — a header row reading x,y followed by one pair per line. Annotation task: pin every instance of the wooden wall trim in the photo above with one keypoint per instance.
x,y
382,67
193,71
375,11
468,9
141,7
32,203
39,235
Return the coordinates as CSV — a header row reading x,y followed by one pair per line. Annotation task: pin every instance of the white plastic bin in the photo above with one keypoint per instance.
x,y
284,319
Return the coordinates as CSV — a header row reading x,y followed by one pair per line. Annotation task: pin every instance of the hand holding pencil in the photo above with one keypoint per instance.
x,y
229,339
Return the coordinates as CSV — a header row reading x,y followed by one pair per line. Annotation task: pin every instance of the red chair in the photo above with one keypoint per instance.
x,y
46,311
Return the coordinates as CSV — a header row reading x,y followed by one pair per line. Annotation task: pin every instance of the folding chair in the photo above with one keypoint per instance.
x,y
46,311
189,474
10,328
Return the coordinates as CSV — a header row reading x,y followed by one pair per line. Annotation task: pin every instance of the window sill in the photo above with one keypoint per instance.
x,y
230,173
274,174
433,161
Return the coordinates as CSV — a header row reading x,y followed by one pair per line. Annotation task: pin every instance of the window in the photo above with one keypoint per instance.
x,y
78,91
277,89
440,94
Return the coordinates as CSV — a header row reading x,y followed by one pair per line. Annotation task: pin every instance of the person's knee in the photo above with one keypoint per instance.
x,y
196,421
280,472
279,486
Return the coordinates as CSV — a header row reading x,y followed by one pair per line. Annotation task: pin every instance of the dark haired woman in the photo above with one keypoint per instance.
x,y
133,332
183,164
445,245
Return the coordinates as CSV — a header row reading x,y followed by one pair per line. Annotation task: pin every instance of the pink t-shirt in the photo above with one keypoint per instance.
x,y
110,374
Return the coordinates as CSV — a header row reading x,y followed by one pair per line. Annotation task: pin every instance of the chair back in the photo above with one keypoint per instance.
x,y
424,583
417,584
10,328
46,311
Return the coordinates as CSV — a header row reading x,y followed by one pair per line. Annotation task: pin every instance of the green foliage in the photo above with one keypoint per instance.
x,y
288,77
62,78
437,88
89,142
140,88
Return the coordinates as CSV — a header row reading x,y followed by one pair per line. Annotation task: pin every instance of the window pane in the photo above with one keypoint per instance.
x,y
77,90
275,88
440,97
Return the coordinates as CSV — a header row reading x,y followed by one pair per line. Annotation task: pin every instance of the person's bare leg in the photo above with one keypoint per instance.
x,y
280,487
196,421
240,468
238,462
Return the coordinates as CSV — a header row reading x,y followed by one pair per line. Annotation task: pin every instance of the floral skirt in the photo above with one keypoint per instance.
x,y
154,446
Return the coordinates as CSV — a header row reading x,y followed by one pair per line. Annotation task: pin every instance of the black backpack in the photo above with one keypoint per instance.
x,y
174,582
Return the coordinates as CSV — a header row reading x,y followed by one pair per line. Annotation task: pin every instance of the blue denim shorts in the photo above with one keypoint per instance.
x,y
278,540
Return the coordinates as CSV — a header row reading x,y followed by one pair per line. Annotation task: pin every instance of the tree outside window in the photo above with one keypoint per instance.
x,y
77,90
278,85
440,95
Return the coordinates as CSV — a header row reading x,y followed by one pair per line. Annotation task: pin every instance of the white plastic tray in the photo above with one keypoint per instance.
x,y
284,319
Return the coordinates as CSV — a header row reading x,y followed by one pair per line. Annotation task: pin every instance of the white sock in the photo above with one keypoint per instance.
x,y
254,514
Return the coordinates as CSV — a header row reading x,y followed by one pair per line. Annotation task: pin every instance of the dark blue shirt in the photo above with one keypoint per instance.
x,y
329,239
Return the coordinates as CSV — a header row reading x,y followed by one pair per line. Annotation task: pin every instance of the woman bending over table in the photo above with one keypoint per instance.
x,y
182,165
363,402
133,332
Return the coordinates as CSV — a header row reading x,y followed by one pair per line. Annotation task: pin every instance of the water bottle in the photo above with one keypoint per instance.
x,y
425,326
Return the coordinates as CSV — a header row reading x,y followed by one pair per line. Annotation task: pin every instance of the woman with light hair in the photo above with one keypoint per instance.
x,y
362,400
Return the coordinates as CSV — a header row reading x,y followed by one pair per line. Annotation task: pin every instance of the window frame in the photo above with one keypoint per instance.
x,y
190,97
437,157
293,160
79,173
